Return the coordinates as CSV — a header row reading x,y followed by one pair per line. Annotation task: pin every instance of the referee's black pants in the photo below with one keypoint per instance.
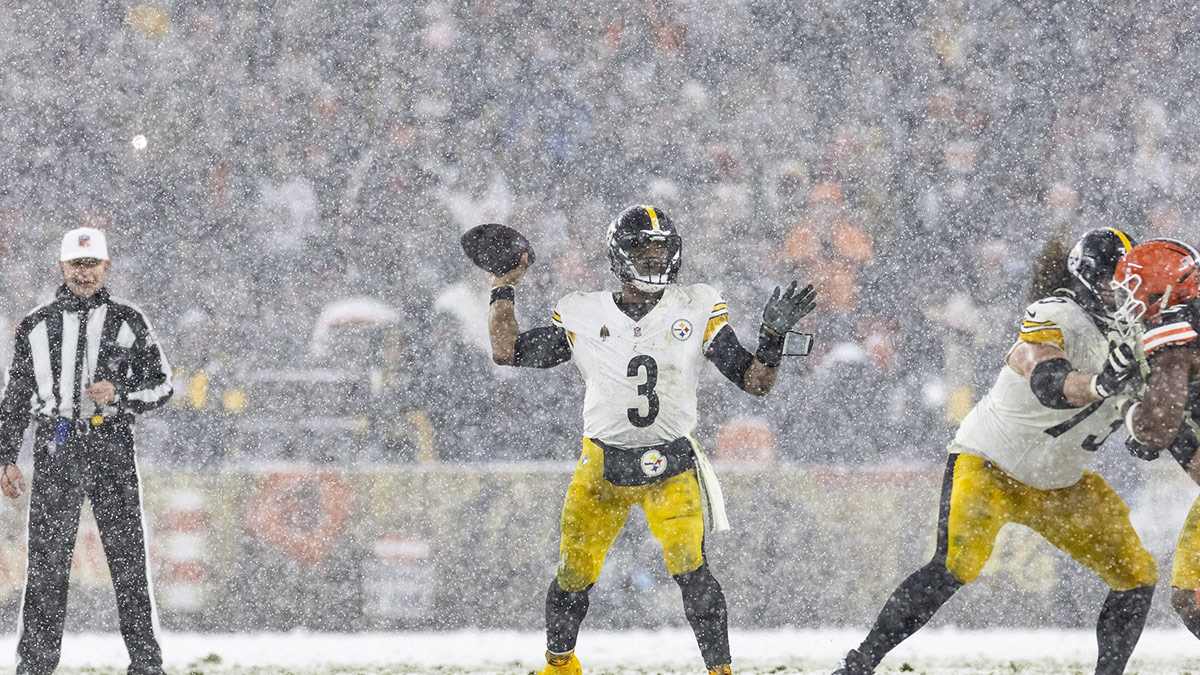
x,y
100,466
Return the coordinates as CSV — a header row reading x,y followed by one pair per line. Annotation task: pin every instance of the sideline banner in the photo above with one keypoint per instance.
x,y
453,545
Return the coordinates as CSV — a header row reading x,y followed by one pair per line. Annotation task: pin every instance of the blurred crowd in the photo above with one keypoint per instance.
x,y
284,183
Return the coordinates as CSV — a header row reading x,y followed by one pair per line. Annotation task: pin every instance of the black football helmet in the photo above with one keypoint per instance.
x,y
644,248
1092,263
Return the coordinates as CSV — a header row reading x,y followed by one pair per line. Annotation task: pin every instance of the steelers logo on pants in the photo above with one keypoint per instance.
x,y
653,463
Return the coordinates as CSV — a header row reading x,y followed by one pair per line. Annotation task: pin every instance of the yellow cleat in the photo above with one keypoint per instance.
x,y
720,670
561,664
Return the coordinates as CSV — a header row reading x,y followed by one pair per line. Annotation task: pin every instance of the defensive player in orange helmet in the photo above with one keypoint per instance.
x,y
1158,283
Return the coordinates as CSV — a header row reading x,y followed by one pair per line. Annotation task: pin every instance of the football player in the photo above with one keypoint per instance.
x,y
1021,456
640,351
1158,282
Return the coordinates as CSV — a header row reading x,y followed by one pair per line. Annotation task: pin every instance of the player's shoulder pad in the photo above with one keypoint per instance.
x,y
570,306
1046,319
1054,307
1176,326
705,296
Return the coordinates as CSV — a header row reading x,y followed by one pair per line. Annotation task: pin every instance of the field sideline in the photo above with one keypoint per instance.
x,y
666,652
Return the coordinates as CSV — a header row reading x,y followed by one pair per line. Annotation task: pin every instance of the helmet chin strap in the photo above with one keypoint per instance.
x,y
1162,304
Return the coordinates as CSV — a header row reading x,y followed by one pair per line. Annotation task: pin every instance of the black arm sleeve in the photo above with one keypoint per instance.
x,y
543,347
1185,446
729,356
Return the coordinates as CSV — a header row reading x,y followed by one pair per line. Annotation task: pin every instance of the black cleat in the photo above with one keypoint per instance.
x,y
854,664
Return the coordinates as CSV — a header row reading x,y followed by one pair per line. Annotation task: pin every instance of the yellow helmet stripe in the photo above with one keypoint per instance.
x,y
653,218
1121,235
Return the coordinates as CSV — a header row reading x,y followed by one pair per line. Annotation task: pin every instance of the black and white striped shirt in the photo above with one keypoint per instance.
x,y
70,343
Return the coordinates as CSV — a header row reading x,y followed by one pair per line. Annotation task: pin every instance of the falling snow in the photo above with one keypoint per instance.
x,y
284,184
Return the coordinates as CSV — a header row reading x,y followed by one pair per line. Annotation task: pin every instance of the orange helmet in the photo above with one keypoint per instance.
x,y
1153,276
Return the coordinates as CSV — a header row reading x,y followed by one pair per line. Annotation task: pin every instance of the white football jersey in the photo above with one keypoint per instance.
x,y
641,376
1045,448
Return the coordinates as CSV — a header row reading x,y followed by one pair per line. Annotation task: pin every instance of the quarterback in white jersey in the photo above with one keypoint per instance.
x,y
641,375
640,352
1021,456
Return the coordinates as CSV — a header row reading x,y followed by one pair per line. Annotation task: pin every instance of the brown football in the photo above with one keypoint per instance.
x,y
496,248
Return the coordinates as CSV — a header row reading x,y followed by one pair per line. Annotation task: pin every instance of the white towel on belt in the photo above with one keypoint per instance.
x,y
710,490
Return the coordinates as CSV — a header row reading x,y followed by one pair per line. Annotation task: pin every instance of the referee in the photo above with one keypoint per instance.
x,y
83,365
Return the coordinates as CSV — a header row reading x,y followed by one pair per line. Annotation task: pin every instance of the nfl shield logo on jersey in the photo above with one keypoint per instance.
x,y
653,463
682,329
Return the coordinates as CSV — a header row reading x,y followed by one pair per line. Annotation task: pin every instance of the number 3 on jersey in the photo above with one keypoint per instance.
x,y
636,364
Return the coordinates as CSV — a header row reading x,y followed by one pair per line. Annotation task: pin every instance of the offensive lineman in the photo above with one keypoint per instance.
x,y
640,351
1159,282
1021,456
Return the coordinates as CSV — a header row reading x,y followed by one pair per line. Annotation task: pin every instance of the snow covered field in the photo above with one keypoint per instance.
x,y
663,653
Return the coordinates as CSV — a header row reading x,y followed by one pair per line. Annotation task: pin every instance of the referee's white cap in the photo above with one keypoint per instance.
x,y
83,242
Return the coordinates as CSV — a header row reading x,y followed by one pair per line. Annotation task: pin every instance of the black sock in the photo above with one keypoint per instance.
x,y
911,606
704,607
1187,608
564,614
1120,626
1193,624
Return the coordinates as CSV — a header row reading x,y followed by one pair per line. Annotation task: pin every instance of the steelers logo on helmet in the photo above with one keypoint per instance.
x,y
1092,262
653,463
644,248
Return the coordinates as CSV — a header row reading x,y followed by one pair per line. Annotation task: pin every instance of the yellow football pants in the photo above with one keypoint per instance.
x,y
1185,573
1088,521
595,511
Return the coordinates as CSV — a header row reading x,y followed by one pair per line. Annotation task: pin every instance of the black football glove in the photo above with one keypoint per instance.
x,y
1140,450
783,311
1119,371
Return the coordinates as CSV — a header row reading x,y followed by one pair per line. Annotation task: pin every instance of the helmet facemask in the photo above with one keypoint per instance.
x,y
1130,309
648,260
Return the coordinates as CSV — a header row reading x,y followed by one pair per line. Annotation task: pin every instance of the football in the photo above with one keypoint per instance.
x,y
496,248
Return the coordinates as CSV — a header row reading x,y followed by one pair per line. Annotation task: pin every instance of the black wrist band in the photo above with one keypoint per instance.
x,y
770,347
504,293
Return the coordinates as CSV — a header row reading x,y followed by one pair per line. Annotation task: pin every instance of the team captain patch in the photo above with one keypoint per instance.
x,y
682,329
653,463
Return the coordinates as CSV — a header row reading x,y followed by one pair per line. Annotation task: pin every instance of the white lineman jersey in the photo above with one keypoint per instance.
x,y
1045,448
641,376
